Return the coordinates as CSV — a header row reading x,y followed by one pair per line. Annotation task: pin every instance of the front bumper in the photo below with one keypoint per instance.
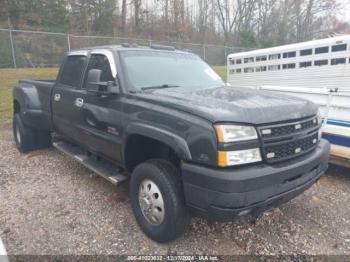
x,y
223,194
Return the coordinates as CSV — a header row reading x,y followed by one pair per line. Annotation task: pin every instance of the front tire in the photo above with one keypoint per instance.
x,y
158,201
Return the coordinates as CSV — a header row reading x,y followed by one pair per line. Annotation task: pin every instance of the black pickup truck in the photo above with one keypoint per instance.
x,y
189,144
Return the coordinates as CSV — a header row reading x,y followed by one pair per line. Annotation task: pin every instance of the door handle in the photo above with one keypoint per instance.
x,y
57,97
79,102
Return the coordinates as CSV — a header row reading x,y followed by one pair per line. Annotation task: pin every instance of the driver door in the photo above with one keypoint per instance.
x,y
101,116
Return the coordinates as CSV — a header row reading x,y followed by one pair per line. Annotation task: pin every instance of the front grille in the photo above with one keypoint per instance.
x,y
288,140
288,128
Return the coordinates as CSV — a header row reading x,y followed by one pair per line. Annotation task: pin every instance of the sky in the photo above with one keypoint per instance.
x,y
345,14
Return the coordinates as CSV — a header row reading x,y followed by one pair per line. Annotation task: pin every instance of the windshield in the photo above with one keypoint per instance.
x,y
158,69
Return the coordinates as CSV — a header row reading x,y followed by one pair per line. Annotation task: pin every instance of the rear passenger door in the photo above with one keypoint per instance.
x,y
66,97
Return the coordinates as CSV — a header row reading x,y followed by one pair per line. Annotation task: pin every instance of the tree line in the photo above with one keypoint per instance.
x,y
246,23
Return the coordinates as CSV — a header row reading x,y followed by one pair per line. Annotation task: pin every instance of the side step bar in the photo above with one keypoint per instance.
x,y
107,171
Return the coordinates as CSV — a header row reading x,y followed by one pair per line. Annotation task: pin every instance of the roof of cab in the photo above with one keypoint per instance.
x,y
85,50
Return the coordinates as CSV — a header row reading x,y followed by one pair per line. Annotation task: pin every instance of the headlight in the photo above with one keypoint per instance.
x,y
239,157
233,133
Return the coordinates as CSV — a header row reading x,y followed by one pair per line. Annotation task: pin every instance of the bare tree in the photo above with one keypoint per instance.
x,y
137,7
123,18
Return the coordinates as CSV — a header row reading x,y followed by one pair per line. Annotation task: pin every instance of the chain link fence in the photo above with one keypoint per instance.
x,y
21,49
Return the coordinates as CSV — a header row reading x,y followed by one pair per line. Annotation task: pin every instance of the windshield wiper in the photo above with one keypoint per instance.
x,y
158,87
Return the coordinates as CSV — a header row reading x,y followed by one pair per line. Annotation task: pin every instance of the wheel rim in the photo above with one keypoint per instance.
x,y
151,202
18,135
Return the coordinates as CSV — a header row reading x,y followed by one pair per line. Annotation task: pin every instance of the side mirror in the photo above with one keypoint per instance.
x,y
95,86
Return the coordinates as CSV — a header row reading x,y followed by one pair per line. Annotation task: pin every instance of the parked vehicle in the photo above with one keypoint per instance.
x,y
317,70
165,120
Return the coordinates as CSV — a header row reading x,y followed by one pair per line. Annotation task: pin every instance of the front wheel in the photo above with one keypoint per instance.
x,y
158,201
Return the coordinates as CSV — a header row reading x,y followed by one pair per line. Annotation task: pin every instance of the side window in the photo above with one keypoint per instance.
x,y
72,71
261,58
260,69
305,52
101,62
274,56
305,64
289,54
322,50
248,60
288,66
337,48
239,61
338,61
274,67
321,62
249,70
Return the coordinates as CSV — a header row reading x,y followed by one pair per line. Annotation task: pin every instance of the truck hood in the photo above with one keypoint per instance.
x,y
233,104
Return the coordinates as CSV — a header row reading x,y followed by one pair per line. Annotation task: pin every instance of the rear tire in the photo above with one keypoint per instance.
x,y
28,138
164,178
24,136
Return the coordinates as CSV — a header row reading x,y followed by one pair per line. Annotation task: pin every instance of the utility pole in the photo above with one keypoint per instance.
x,y
11,41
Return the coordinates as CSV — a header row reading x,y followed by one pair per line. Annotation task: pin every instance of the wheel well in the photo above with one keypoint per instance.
x,y
141,148
16,107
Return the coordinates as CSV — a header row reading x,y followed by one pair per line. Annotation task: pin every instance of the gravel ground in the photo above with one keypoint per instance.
x,y
50,204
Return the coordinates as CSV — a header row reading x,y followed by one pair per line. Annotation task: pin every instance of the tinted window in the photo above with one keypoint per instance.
x,y
337,48
232,62
239,61
306,52
321,62
289,54
72,71
248,59
260,69
337,61
274,56
248,69
238,71
261,58
232,71
289,66
321,50
274,67
305,64
101,62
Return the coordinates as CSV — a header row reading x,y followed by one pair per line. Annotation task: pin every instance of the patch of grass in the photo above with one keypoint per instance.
x,y
221,71
10,77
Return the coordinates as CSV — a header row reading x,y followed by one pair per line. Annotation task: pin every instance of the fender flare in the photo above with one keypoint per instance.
x,y
27,96
31,112
177,143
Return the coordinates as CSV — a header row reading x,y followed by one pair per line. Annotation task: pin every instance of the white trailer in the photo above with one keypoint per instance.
x,y
317,70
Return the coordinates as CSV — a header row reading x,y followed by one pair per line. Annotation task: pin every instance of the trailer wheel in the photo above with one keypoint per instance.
x,y
158,201
24,135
